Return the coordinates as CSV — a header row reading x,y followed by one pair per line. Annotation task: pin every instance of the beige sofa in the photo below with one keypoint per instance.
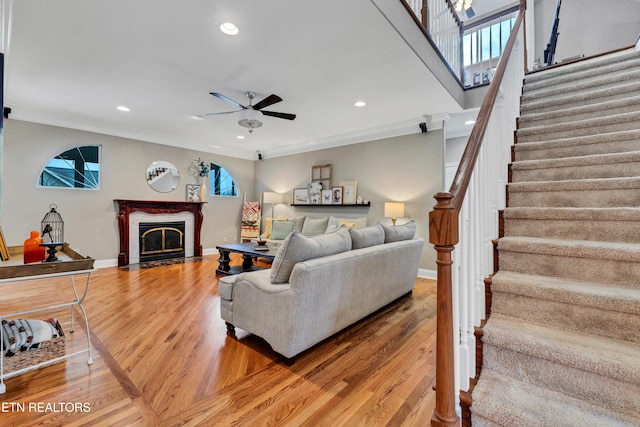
x,y
319,285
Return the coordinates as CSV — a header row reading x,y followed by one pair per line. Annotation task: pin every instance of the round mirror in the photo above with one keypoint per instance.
x,y
163,176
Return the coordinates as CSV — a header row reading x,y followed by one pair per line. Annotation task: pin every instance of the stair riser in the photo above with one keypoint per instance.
x,y
628,197
618,396
571,131
603,231
609,272
571,150
526,122
573,316
609,170
581,100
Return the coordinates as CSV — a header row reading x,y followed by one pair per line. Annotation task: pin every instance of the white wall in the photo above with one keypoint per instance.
x,y
90,219
407,168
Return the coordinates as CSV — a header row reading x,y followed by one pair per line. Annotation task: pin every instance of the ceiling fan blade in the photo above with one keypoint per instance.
x,y
230,101
269,100
279,115
221,113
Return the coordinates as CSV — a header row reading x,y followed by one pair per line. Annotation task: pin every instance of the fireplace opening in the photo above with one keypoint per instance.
x,y
161,240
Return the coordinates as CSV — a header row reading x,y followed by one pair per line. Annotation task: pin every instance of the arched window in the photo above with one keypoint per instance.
x,y
78,167
221,183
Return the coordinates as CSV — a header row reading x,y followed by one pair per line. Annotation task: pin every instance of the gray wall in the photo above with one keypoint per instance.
x,y
90,216
587,27
407,168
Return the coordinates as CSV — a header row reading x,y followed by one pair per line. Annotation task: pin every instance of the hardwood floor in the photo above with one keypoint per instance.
x,y
162,357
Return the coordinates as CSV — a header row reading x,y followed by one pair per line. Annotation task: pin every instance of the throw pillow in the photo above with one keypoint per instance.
x,y
399,232
267,227
348,224
332,224
297,247
298,222
364,237
314,226
280,229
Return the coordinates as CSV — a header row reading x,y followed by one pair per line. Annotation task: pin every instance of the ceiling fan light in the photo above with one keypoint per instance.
x,y
250,118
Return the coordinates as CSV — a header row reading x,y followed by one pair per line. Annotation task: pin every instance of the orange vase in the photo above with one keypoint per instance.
x,y
33,252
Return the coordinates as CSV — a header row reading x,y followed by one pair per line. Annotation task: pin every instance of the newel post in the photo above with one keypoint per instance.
x,y
443,234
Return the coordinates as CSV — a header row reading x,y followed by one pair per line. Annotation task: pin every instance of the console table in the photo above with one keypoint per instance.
x,y
13,270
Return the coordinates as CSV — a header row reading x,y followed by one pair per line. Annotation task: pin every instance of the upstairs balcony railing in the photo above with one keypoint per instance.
x,y
470,51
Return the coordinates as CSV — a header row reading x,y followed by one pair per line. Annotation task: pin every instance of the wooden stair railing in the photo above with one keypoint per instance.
x,y
443,234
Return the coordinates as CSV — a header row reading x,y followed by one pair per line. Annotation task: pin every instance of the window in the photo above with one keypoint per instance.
x,y
482,46
78,167
221,183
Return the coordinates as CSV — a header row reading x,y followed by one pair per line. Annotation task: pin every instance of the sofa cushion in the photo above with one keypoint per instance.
x,y
314,226
297,247
280,229
333,223
399,232
364,237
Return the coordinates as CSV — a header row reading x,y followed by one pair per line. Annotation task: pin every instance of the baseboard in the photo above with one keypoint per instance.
x,y
102,263
427,274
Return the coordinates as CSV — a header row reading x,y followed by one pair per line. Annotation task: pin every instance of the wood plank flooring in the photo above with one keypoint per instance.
x,y
162,357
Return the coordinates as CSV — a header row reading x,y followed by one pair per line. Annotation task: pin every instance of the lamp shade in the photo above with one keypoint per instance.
x,y
393,209
271,197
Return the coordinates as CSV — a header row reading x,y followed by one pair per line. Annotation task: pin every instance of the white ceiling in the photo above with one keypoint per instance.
x,y
72,62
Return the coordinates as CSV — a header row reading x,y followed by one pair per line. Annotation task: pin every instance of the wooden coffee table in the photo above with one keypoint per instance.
x,y
249,254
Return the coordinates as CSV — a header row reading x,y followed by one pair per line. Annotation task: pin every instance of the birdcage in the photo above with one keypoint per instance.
x,y
52,228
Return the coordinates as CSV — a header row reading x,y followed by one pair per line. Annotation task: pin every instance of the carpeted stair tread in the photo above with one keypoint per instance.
x,y
591,83
621,299
562,115
593,72
608,357
591,214
578,185
569,100
588,160
606,124
576,68
614,142
503,401
615,251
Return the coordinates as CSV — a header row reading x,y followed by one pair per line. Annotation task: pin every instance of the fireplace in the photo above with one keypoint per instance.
x,y
132,213
161,240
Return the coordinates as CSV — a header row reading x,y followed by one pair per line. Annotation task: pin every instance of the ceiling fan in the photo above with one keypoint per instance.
x,y
250,115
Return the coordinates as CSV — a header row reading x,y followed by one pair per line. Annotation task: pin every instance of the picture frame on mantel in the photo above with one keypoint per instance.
x,y
349,192
193,193
336,195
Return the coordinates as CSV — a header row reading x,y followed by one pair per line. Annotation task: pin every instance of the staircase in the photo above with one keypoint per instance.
x,y
562,344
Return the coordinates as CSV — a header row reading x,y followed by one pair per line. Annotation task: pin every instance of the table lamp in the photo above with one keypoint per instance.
x,y
393,210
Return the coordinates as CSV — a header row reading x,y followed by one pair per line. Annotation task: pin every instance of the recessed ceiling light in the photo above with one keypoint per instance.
x,y
360,104
197,117
470,122
240,136
229,28
123,108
